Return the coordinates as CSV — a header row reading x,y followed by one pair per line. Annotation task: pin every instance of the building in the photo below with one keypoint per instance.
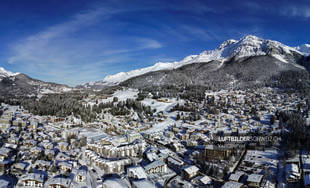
x,y
63,146
109,167
255,180
190,172
116,182
156,167
19,122
122,151
32,180
232,184
131,137
136,172
80,176
65,166
19,168
292,173
42,164
217,153
58,183
70,133
237,176
202,181
175,164
142,184
4,153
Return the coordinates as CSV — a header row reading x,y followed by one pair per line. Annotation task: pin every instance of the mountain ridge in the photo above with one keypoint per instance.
x,y
246,72
19,84
229,51
249,45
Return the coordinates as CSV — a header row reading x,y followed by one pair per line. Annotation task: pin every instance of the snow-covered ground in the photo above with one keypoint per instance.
x,y
160,106
123,95
92,133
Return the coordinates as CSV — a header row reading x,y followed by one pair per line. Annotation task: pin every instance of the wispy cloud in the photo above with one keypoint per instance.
x,y
284,8
62,54
296,11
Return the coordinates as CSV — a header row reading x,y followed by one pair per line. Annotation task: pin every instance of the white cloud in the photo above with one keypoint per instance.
x,y
296,11
58,55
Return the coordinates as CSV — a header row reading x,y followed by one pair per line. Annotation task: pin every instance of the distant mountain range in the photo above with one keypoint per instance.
x,y
234,64
247,46
18,84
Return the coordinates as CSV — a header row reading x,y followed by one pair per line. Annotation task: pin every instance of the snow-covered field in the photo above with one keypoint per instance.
x,y
123,95
160,106
90,133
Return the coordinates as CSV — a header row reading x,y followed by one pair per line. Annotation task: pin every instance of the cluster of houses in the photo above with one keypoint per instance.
x,y
38,154
54,152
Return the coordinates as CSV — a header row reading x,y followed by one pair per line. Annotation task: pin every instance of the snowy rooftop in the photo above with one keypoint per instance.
x,y
191,169
256,178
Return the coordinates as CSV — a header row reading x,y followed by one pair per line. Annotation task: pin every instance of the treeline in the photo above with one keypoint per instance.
x,y
296,81
192,93
185,108
299,132
63,105
118,108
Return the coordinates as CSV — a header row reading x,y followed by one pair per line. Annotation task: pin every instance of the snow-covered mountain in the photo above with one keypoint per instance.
x,y
247,46
19,84
4,73
305,48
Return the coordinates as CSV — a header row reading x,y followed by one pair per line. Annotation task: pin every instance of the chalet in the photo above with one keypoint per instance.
x,y
19,167
50,154
63,146
62,157
32,180
202,181
136,172
65,166
47,144
4,153
58,182
80,176
232,184
4,165
43,165
255,180
237,176
190,172
36,151
13,140
30,143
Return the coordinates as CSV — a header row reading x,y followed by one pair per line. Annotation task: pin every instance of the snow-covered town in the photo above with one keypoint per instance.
x,y
232,138
154,94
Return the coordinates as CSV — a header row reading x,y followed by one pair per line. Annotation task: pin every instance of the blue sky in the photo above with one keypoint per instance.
x,y
77,41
